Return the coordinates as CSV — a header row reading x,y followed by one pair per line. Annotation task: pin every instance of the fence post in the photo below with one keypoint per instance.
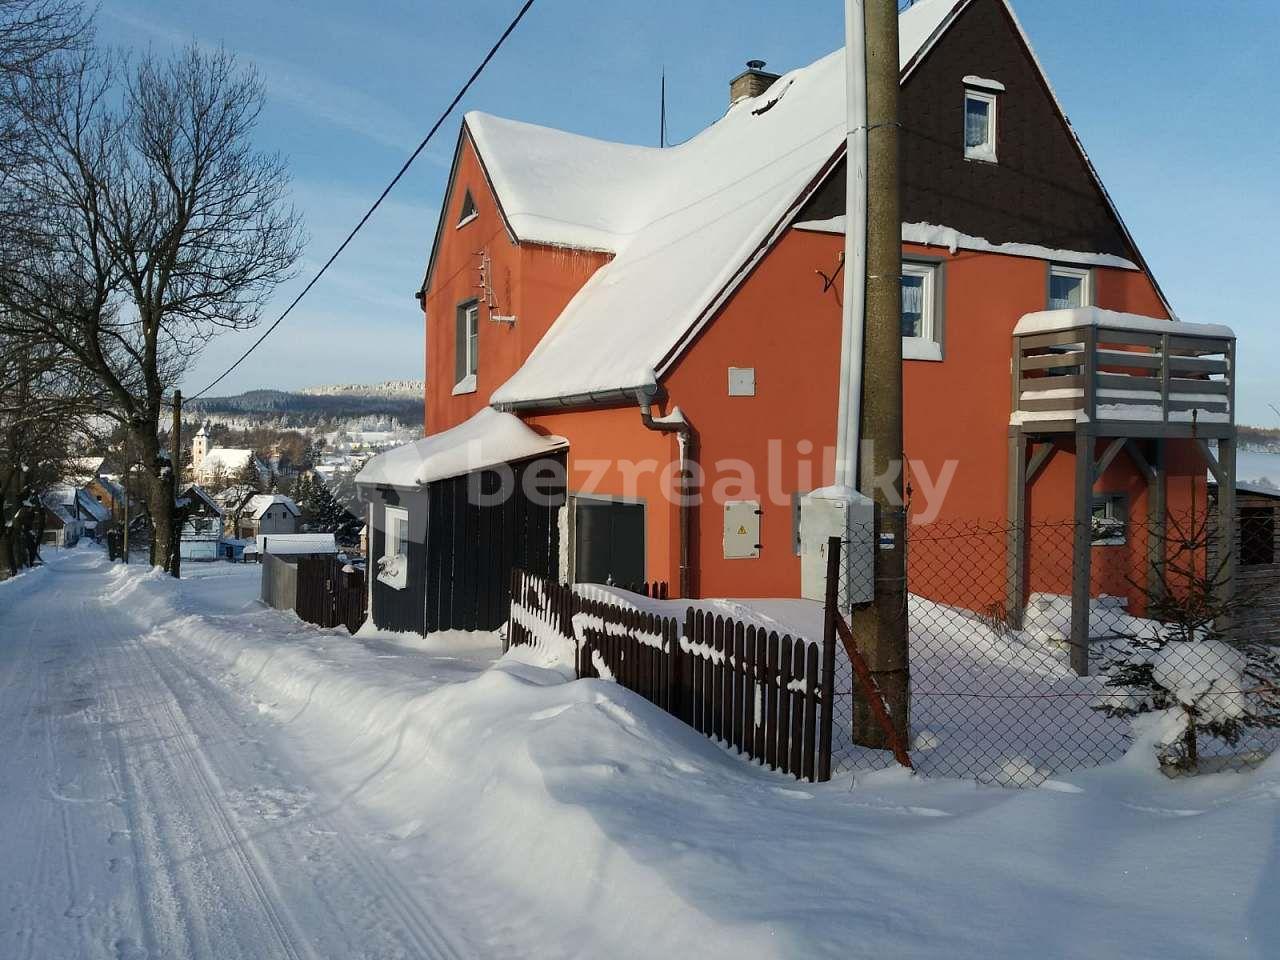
x,y
675,697
830,612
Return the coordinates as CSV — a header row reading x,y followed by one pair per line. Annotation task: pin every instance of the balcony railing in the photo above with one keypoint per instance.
x,y
1122,374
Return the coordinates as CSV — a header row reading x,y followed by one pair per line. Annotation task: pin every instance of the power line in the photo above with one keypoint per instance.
x,y
382,196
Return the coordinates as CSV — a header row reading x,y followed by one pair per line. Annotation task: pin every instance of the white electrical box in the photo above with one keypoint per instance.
x,y
850,516
742,381
741,529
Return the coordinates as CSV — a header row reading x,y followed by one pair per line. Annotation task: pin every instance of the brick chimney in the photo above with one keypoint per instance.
x,y
751,82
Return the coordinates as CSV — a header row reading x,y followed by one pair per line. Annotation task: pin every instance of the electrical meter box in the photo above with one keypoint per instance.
x,y
741,529
846,514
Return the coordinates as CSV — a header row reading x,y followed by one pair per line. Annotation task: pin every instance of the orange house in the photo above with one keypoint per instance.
x,y
649,311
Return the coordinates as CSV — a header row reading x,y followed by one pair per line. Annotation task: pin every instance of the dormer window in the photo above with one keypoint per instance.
x,y
468,211
980,125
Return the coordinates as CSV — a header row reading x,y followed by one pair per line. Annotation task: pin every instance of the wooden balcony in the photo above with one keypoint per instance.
x,y
1122,375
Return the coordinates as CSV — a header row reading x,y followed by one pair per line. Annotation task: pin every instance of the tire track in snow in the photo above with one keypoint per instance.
x,y
204,781
426,936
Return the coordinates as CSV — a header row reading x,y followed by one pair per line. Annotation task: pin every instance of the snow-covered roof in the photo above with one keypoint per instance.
x,y
230,459
197,492
114,489
488,438
89,505
262,502
681,222
293,544
1052,321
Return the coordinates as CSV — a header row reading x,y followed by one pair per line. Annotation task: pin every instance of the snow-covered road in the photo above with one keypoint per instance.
x,y
185,773
146,812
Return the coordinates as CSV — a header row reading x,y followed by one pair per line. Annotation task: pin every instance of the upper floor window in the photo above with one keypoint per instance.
x,y
980,125
1069,287
921,310
466,347
468,211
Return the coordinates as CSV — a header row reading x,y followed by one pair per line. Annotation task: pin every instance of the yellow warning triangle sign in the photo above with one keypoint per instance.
x,y
742,531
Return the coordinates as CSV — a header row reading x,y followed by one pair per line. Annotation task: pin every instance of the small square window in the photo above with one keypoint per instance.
x,y
980,126
1110,520
921,308
1069,287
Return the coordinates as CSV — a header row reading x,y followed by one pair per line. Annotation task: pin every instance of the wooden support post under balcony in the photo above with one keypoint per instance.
x,y
1016,538
1082,552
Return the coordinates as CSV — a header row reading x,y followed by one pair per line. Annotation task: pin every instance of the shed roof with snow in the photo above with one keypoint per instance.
x,y
488,438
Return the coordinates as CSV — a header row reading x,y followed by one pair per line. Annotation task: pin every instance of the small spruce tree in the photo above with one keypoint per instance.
x,y
1206,679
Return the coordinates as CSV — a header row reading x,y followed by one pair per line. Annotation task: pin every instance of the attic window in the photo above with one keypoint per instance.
x,y
980,125
468,212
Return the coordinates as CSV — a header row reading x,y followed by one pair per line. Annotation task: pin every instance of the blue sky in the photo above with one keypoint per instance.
x,y
1176,103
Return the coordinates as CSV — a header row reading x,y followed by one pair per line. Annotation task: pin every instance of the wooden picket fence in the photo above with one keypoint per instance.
x,y
762,695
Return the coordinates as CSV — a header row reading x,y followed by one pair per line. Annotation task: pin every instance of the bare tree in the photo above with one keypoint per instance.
x,y
161,225
45,409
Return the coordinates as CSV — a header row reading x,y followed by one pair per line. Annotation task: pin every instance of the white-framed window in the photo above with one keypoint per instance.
x,y
921,311
1110,520
1069,287
466,347
980,125
393,565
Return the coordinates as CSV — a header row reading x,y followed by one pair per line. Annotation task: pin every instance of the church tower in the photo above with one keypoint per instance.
x,y
199,447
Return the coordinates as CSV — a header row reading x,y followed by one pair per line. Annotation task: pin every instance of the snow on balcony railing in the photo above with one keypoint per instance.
x,y
1088,364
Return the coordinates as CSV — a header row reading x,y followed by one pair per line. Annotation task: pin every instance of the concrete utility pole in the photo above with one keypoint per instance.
x,y
175,459
881,626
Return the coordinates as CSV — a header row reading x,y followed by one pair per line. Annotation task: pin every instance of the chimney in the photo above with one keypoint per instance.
x,y
751,82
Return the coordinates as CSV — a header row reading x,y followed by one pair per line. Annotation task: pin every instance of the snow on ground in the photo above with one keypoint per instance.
x,y
184,773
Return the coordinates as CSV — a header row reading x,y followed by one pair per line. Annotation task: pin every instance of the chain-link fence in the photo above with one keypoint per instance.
x,y
993,694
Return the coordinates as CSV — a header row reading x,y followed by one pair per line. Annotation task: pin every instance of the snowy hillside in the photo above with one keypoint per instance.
x,y
319,404
387,388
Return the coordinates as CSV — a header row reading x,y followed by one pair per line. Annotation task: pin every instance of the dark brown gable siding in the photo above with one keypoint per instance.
x,y
1040,191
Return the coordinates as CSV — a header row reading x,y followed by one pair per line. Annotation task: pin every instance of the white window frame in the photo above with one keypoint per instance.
x,y
393,547
985,152
927,346
1083,274
471,346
